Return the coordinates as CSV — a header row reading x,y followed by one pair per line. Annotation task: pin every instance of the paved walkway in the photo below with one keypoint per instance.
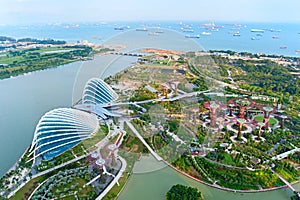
x,y
285,181
115,180
143,141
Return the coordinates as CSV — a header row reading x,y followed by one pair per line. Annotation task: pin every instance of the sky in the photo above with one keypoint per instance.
x,y
70,11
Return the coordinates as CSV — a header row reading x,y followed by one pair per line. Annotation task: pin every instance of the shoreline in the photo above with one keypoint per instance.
x,y
224,188
14,165
53,67
40,70
168,164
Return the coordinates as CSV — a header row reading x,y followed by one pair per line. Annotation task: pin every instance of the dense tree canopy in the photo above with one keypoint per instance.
x,y
181,192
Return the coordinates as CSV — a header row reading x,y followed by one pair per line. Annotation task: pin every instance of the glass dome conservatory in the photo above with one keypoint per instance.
x,y
60,129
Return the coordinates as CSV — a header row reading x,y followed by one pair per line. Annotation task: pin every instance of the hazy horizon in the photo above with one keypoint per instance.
x,y
16,12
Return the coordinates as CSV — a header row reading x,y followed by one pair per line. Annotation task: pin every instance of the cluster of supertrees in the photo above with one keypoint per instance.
x,y
100,160
237,110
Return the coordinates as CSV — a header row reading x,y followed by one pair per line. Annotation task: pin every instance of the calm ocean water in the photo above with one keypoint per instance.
x,y
247,41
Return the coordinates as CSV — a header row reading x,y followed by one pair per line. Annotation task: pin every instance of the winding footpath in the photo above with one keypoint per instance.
x,y
156,156
115,180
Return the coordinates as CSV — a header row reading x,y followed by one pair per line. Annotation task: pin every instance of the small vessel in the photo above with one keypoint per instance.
x,y
141,29
275,37
121,28
236,34
283,47
153,34
232,33
160,31
192,36
257,30
297,51
219,26
186,27
213,29
274,30
208,25
259,34
205,33
254,38
188,30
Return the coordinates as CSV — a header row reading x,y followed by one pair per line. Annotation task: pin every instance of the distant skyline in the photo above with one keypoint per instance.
x,y
71,11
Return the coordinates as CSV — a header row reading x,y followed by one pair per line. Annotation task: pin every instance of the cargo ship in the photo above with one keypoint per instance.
x,y
192,36
257,30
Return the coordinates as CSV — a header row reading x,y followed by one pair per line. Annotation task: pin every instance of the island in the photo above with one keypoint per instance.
x,y
178,192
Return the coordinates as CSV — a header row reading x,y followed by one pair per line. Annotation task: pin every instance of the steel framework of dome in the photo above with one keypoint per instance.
x,y
96,91
61,129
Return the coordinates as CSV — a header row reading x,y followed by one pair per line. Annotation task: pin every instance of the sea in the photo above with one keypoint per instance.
x,y
276,38
24,99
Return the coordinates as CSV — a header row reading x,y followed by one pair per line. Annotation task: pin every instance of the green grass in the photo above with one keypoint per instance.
x,y
130,158
228,159
25,191
24,61
260,118
286,175
97,137
112,194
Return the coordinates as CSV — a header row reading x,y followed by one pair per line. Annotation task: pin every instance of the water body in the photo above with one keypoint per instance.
x,y
154,184
24,99
98,33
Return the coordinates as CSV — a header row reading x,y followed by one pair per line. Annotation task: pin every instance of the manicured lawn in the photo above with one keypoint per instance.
x,y
228,159
116,189
25,192
260,118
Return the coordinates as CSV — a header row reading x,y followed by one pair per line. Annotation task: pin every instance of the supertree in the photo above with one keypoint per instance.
x,y
176,83
242,104
260,124
213,107
241,122
112,148
194,111
267,113
100,165
165,88
231,105
220,121
283,117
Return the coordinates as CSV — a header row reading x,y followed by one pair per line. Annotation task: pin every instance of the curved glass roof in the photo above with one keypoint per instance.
x,y
96,91
60,129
